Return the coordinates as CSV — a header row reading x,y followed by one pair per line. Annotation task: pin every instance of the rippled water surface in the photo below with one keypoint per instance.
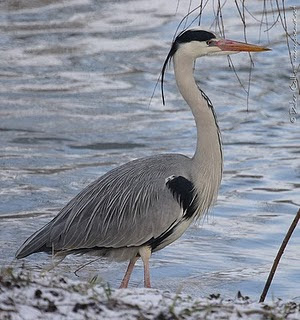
x,y
76,79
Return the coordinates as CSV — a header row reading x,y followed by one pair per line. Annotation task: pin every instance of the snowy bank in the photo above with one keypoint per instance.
x,y
33,296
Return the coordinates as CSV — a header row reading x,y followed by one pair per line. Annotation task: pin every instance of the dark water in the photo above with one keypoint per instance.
x,y
76,79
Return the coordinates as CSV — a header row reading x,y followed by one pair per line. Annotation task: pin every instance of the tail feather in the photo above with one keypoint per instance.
x,y
35,243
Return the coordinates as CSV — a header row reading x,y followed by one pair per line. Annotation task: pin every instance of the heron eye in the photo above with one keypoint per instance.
x,y
208,42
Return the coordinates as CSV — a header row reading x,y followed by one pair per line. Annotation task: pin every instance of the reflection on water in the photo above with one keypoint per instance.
x,y
76,80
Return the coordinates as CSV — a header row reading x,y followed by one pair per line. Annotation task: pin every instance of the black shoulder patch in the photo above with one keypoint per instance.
x,y
183,191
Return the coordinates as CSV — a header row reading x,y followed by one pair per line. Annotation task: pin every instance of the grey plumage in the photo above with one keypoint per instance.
x,y
123,209
144,205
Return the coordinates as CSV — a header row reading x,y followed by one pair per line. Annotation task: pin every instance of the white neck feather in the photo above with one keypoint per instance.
x,y
207,161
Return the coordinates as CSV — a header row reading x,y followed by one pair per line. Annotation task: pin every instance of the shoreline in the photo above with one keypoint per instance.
x,y
25,295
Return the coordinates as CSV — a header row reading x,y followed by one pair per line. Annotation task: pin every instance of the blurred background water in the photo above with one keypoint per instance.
x,y
76,79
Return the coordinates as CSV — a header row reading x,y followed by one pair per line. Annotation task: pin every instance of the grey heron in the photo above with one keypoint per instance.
x,y
146,204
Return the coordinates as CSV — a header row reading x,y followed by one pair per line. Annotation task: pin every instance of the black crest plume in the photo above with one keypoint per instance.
x,y
183,37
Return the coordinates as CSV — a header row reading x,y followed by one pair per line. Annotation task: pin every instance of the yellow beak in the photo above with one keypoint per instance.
x,y
230,45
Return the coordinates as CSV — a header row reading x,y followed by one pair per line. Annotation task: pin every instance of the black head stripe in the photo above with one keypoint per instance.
x,y
194,35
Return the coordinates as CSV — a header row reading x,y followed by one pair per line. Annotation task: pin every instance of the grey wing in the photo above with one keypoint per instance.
x,y
126,207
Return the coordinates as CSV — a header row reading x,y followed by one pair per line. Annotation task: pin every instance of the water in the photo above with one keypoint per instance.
x,y
76,79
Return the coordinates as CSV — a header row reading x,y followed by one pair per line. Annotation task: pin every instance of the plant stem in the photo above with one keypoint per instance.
x,y
278,257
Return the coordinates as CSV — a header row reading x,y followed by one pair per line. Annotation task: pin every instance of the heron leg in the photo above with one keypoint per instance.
x,y
125,281
145,253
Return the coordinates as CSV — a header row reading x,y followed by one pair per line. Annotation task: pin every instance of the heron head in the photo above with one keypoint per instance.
x,y
195,43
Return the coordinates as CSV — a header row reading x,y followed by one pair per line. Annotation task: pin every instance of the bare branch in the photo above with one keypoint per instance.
x,y
278,256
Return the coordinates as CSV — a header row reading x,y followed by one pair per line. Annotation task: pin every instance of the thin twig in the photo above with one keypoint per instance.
x,y
231,65
278,257
84,265
200,12
187,18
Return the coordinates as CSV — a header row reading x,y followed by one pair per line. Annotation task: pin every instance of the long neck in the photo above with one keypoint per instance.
x,y
207,161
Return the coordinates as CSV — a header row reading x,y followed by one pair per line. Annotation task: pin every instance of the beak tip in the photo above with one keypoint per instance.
x,y
263,49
